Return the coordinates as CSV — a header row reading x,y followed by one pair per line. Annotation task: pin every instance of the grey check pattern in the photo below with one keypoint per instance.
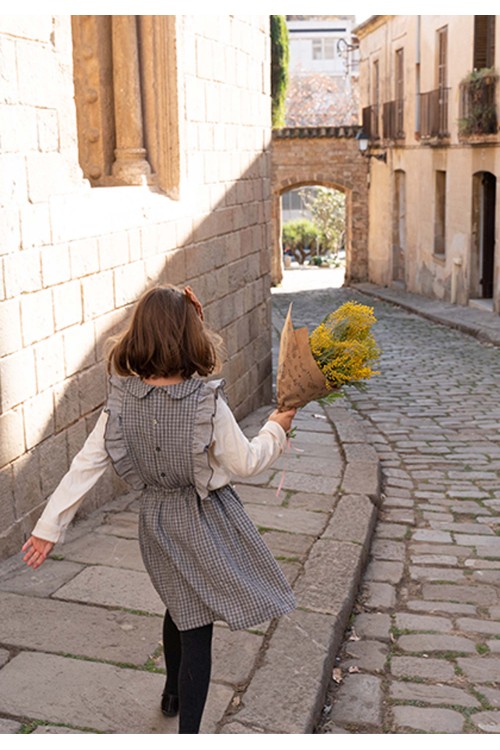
x,y
205,558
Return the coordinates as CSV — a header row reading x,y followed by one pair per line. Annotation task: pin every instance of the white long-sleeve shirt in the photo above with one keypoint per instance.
x,y
230,455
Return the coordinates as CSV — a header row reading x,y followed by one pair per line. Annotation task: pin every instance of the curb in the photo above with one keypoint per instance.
x,y
482,325
287,691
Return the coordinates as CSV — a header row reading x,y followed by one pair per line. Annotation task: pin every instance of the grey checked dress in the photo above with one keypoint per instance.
x,y
204,555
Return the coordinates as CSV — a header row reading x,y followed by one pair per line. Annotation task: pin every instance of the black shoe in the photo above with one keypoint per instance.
x,y
169,704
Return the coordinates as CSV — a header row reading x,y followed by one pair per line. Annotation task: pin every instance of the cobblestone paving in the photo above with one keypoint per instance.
x,y
423,651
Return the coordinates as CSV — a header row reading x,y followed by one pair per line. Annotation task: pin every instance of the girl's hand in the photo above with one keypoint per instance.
x,y
284,418
37,551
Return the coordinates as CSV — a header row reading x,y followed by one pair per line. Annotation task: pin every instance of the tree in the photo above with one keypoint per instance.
x,y
300,236
327,208
280,56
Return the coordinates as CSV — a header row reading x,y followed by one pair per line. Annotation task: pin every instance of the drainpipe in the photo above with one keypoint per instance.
x,y
417,79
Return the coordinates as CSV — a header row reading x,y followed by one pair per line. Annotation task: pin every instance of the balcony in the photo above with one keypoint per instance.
x,y
392,118
478,115
434,114
371,122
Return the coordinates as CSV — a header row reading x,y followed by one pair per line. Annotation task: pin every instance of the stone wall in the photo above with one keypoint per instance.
x,y
73,258
329,157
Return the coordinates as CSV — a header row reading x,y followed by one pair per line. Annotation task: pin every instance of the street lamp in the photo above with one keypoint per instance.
x,y
363,143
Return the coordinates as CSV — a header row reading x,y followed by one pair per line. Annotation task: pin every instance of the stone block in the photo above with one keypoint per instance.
x,y
66,403
234,655
284,545
353,520
368,656
48,174
358,701
286,519
123,524
55,265
9,230
92,388
67,305
54,464
27,483
415,666
429,720
300,482
49,358
7,516
84,257
427,643
434,694
480,669
98,294
10,326
7,726
38,414
101,549
35,226
487,721
113,250
113,587
13,187
12,436
37,316
362,478
8,66
379,595
48,129
40,624
42,582
479,594
79,348
22,273
330,578
274,700
129,282
17,378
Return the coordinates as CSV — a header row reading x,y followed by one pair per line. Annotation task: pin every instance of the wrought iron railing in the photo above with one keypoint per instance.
x,y
478,113
434,114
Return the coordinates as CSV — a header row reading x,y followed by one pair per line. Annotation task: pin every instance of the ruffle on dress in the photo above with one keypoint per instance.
x,y
202,431
114,440
203,434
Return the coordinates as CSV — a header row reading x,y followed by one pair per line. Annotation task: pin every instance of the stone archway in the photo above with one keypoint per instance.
x,y
328,157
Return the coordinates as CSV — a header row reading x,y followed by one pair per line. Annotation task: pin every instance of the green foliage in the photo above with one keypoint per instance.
x,y
478,92
280,55
300,236
328,211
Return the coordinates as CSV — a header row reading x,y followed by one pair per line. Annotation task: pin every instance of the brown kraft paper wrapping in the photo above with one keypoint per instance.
x,y
299,378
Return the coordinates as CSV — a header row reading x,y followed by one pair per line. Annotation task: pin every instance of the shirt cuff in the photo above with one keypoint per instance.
x,y
277,431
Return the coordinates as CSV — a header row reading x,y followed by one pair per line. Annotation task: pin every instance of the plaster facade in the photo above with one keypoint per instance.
x,y
425,201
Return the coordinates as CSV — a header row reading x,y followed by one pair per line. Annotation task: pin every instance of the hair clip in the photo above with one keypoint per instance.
x,y
194,301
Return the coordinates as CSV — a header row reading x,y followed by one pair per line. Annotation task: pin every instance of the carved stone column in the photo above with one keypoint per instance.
x,y
130,164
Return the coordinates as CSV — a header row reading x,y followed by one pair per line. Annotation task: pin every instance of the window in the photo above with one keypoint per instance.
x,y
484,42
323,48
440,213
126,100
442,58
400,93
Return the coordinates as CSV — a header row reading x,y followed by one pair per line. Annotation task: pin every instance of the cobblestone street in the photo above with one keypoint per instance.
x,y
423,651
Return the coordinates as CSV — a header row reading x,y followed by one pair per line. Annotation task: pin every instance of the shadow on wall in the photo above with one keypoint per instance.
x,y
225,257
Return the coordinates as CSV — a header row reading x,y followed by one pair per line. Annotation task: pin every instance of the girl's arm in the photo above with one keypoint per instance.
x,y
86,468
240,456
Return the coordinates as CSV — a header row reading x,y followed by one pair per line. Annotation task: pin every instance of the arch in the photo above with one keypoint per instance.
x,y
334,162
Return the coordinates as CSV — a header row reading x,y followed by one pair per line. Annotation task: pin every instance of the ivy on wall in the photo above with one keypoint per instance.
x,y
280,55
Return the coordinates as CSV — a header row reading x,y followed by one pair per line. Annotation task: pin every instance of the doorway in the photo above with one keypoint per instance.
x,y
483,236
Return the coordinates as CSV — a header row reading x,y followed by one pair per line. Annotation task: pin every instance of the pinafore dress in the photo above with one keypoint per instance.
x,y
205,557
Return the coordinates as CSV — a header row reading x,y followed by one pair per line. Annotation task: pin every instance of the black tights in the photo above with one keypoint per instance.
x,y
188,656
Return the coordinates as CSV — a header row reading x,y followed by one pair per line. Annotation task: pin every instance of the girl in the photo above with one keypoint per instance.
x,y
173,436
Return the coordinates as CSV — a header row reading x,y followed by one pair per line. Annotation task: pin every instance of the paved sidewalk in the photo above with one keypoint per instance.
x,y
482,324
80,637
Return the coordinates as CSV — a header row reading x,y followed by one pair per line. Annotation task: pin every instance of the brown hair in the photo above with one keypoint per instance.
x,y
165,337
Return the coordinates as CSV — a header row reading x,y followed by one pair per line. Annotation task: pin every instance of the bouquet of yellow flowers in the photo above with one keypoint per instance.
x,y
340,351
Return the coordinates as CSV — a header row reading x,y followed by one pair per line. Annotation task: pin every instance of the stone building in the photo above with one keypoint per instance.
x,y
134,150
430,97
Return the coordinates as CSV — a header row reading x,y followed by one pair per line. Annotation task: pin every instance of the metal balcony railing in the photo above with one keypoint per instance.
x,y
478,114
434,114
